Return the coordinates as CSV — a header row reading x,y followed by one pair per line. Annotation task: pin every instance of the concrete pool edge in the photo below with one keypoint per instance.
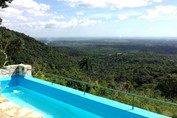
x,y
10,109
107,102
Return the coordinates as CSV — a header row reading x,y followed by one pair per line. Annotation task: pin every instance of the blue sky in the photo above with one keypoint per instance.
x,y
92,18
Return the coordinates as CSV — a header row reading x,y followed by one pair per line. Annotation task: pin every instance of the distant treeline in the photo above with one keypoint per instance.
x,y
157,46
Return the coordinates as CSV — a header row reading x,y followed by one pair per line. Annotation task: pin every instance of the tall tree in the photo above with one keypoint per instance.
x,y
9,44
86,63
0,21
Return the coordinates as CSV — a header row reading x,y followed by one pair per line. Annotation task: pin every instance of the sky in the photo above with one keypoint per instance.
x,y
92,18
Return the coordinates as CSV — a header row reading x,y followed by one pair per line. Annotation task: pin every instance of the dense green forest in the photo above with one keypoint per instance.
x,y
148,69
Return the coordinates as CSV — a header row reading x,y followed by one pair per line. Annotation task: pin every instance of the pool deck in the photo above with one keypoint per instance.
x,y
9,109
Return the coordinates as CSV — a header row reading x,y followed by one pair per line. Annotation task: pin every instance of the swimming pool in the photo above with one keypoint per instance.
x,y
49,107
56,101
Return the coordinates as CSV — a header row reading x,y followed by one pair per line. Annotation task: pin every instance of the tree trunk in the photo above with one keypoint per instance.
x,y
6,57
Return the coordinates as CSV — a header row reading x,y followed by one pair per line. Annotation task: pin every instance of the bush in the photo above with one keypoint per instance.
x,y
174,115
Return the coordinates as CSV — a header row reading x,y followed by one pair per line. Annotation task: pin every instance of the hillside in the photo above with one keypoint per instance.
x,y
111,66
38,54
147,73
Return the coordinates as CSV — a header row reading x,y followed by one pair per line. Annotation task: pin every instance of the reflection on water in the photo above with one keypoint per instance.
x,y
16,91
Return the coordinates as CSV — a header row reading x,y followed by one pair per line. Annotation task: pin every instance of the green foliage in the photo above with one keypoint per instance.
x,y
40,75
3,3
174,115
147,74
9,44
0,21
93,91
34,53
94,88
86,63
2,59
168,86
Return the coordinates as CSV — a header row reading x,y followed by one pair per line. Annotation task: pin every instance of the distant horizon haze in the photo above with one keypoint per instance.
x,y
106,38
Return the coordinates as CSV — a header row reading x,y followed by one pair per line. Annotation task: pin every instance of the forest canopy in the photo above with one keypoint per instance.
x,y
150,73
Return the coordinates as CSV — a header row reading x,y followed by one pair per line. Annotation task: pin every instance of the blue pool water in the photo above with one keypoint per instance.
x,y
56,101
49,107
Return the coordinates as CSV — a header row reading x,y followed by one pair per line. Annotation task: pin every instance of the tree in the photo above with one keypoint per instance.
x,y
9,44
168,86
0,21
3,4
86,63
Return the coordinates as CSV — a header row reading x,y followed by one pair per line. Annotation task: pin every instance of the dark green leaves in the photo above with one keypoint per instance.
x,y
86,63
3,3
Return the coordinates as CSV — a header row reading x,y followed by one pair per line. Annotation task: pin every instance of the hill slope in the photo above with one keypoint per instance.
x,y
38,54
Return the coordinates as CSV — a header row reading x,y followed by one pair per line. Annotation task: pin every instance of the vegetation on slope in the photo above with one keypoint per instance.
x,y
36,53
145,73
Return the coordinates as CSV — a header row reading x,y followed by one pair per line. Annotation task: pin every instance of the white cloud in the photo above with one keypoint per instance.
x,y
59,24
160,11
28,14
24,13
79,13
71,23
58,17
36,13
22,8
122,16
157,0
22,18
103,16
154,1
86,22
29,4
6,23
111,3
10,12
129,13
